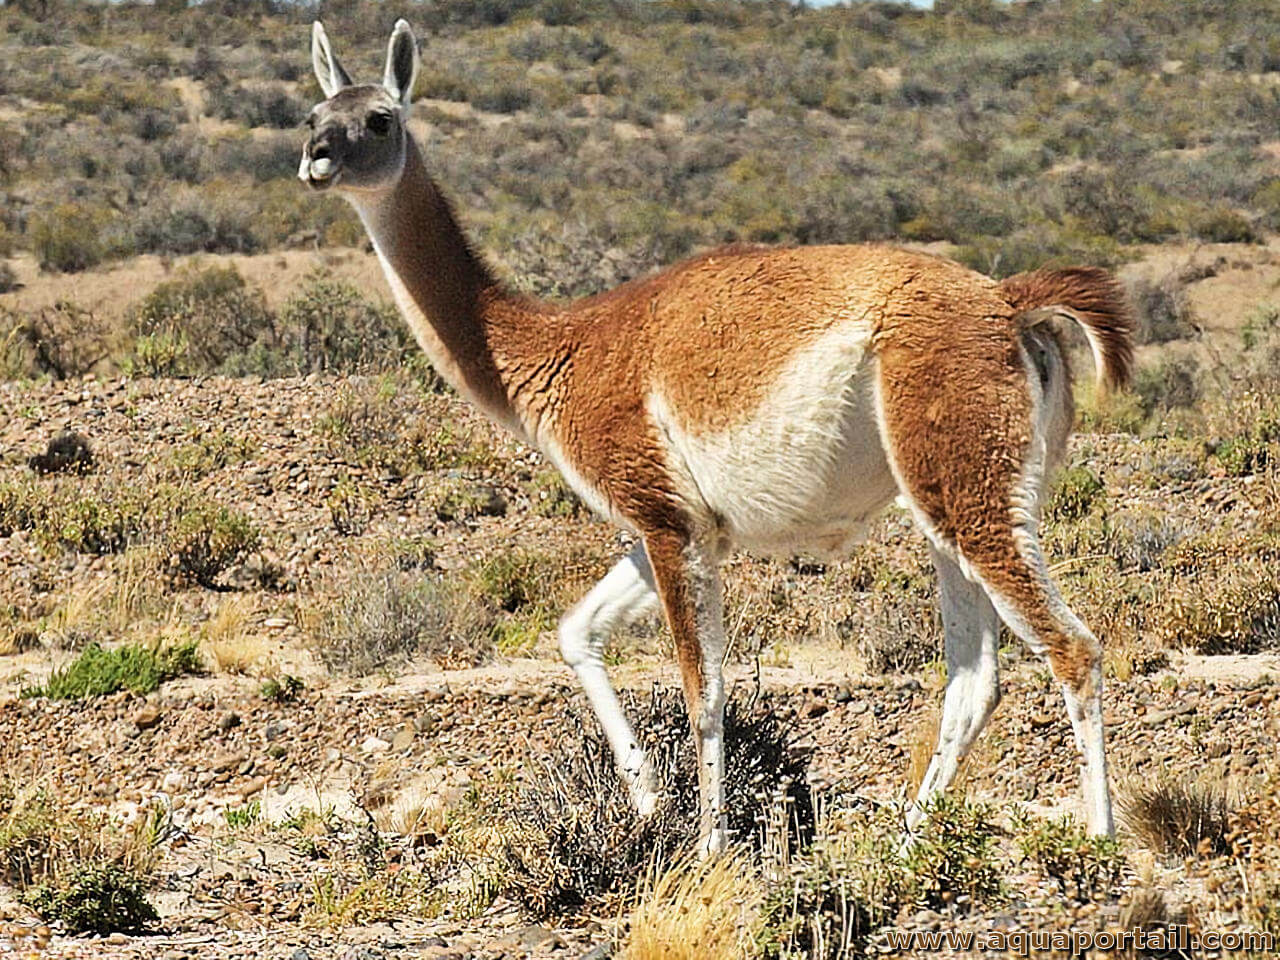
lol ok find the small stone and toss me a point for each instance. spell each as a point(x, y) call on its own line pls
point(402, 740)
point(146, 718)
point(814, 708)
point(255, 785)
point(300, 954)
point(228, 721)
point(375, 745)
point(227, 761)
point(173, 782)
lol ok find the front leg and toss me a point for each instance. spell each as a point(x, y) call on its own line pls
point(624, 594)
point(687, 575)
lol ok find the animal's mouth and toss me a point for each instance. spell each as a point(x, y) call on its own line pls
point(319, 173)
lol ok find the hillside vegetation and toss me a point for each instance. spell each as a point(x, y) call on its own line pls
point(590, 140)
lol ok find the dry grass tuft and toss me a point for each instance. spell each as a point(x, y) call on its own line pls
point(696, 910)
point(230, 642)
point(1179, 817)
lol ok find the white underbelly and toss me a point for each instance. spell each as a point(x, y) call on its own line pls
point(806, 471)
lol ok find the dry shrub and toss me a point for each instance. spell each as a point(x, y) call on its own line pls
point(586, 845)
point(1146, 909)
point(385, 616)
point(229, 640)
point(1234, 609)
point(61, 341)
point(1161, 308)
point(1179, 817)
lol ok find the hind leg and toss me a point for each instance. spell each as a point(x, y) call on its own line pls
point(972, 630)
point(1030, 604)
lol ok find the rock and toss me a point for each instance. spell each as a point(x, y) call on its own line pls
point(602, 952)
point(300, 954)
point(228, 721)
point(529, 938)
point(173, 782)
point(228, 761)
point(814, 708)
point(253, 786)
point(146, 718)
point(402, 740)
point(374, 745)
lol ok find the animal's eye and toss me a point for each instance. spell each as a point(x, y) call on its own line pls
point(379, 124)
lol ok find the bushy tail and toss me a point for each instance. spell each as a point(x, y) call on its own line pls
point(1094, 299)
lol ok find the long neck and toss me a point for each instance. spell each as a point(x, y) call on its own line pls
point(450, 299)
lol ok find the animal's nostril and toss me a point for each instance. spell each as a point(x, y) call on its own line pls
point(319, 151)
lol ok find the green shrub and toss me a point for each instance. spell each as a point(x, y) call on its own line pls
point(205, 539)
point(1243, 455)
point(952, 864)
point(98, 672)
point(73, 236)
point(95, 897)
point(552, 497)
point(201, 537)
point(855, 880)
point(1078, 490)
point(1084, 866)
point(243, 817)
point(208, 452)
point(1221, 224)
point(329, 325)
point(197, 322)
point(283, 689)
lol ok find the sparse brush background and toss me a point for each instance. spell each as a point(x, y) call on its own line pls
point(152, 235)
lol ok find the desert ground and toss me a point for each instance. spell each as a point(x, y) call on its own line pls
point(278, 667)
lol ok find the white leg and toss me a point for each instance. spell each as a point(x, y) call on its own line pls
point(1086, 723)
point(625, 593)
point(971, 629)
point(687, 576)
point(709, 610)
point(1084, 701)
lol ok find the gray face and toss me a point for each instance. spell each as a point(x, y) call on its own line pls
point(357, 141)
point(358, 136)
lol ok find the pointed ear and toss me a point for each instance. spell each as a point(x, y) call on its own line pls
point(328, 70)
point(402, 64)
